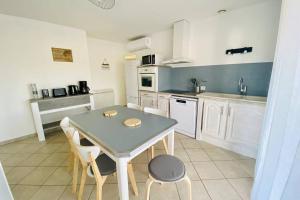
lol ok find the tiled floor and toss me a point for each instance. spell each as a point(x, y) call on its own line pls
point(39, 171)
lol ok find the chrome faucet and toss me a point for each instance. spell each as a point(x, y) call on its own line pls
point(242, 87)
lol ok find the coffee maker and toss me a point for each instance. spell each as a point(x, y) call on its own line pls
point(83, 88)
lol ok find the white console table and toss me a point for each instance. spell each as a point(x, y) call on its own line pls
point(45, 106)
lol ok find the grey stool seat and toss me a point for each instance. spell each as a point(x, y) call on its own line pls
point(105, 164)
point(166, 168)
point(85, 142)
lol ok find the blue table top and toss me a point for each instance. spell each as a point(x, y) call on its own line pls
point(111, 133)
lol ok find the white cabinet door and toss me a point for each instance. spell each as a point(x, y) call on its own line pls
point(214, 118)
point(163, 103)
point(149, 99)
point(244, 123)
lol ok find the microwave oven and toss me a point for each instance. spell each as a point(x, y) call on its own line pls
point(152, 59)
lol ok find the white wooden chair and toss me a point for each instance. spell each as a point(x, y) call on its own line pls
point(161, 113)
point(95, 165)
point(167, 169)
point(134, 106)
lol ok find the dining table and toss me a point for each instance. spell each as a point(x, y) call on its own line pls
point(120, 142)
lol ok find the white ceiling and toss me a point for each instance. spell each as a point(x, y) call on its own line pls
point(128, 19)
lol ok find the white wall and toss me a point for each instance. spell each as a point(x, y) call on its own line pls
point(25, 57)
point(108, 78)
point(255, 26)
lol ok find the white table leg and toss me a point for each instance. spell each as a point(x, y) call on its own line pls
point(122, 178)
point(38, 121)
point(171, 142)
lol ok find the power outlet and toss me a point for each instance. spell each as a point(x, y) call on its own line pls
point(203, 88)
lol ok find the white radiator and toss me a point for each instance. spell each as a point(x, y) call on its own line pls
point(103, 98)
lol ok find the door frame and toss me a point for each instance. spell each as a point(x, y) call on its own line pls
point(280, 134)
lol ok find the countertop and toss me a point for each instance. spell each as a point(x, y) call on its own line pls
point(55, 98)
point(254, 99)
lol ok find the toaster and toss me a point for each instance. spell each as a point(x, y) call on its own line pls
point(59, 92)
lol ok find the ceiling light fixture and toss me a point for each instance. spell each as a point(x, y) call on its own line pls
point(222, 11)
point(104, 4)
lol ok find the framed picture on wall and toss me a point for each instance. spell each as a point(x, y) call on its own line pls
point(62, 55)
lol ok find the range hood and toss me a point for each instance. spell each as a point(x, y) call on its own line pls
point(181, 43)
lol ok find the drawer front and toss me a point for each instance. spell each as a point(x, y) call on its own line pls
point(56, 103)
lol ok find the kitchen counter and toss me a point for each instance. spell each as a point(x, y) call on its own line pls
point(254, 99)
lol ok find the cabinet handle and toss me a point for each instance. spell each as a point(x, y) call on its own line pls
point(229, 111)
point(222, 110)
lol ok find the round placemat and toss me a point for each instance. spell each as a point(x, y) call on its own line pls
point(132, 122)
point(110, 113)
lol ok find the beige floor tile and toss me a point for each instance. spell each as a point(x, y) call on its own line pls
point(243, 186)
point(4, 156)
point(7, 169)
point(56, 159)
point(50, 148)
point(29, 148)
point(12, 148)
point(18, 173)
point(207, 170)
point(248, 166)
point(34, 159)
point(15, 159)
point(64, 149)
point(163, 192)
point(205, 145)
point(31, 140)
point(182, 155)
point(24, 192)
point(198, 191)
point(191, 172)
point(191, 144)
point(236, 156)
point(142, 158)
point(220, 190)
point(68, 195)
point(181, 136)
point(197, 155)
point(49, 193)
point(231, 169)
point(218, 154)
point(141, 172)
point(38, 176)
point(61, 176)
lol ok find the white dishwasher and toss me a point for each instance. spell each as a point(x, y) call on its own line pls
point(184, 110)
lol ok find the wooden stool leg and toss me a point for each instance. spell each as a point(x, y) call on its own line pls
point(189, 184)
point(165, 145)
point(75, 174)
point(82, 182)
point(152, 152)
point(71, 161)
point(99, 192)
point(132, 179)
point(148, 187)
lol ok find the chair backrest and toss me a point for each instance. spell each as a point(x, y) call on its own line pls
point(87, 155)
point(134, 106)
point(155, 111)
point(65, 124)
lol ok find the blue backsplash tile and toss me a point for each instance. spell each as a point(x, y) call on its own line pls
point(224, 78)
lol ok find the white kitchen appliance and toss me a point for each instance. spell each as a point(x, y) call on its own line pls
point(148, 78)
point(131, 81)
point(184, 110)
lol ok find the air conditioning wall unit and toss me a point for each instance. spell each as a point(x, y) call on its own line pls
point(139, 44)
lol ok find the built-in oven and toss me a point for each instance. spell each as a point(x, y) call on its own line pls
point(148, 78)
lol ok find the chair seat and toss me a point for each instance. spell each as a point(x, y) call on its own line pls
point(85, 142)
point(166, 168)
point(105, 164)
